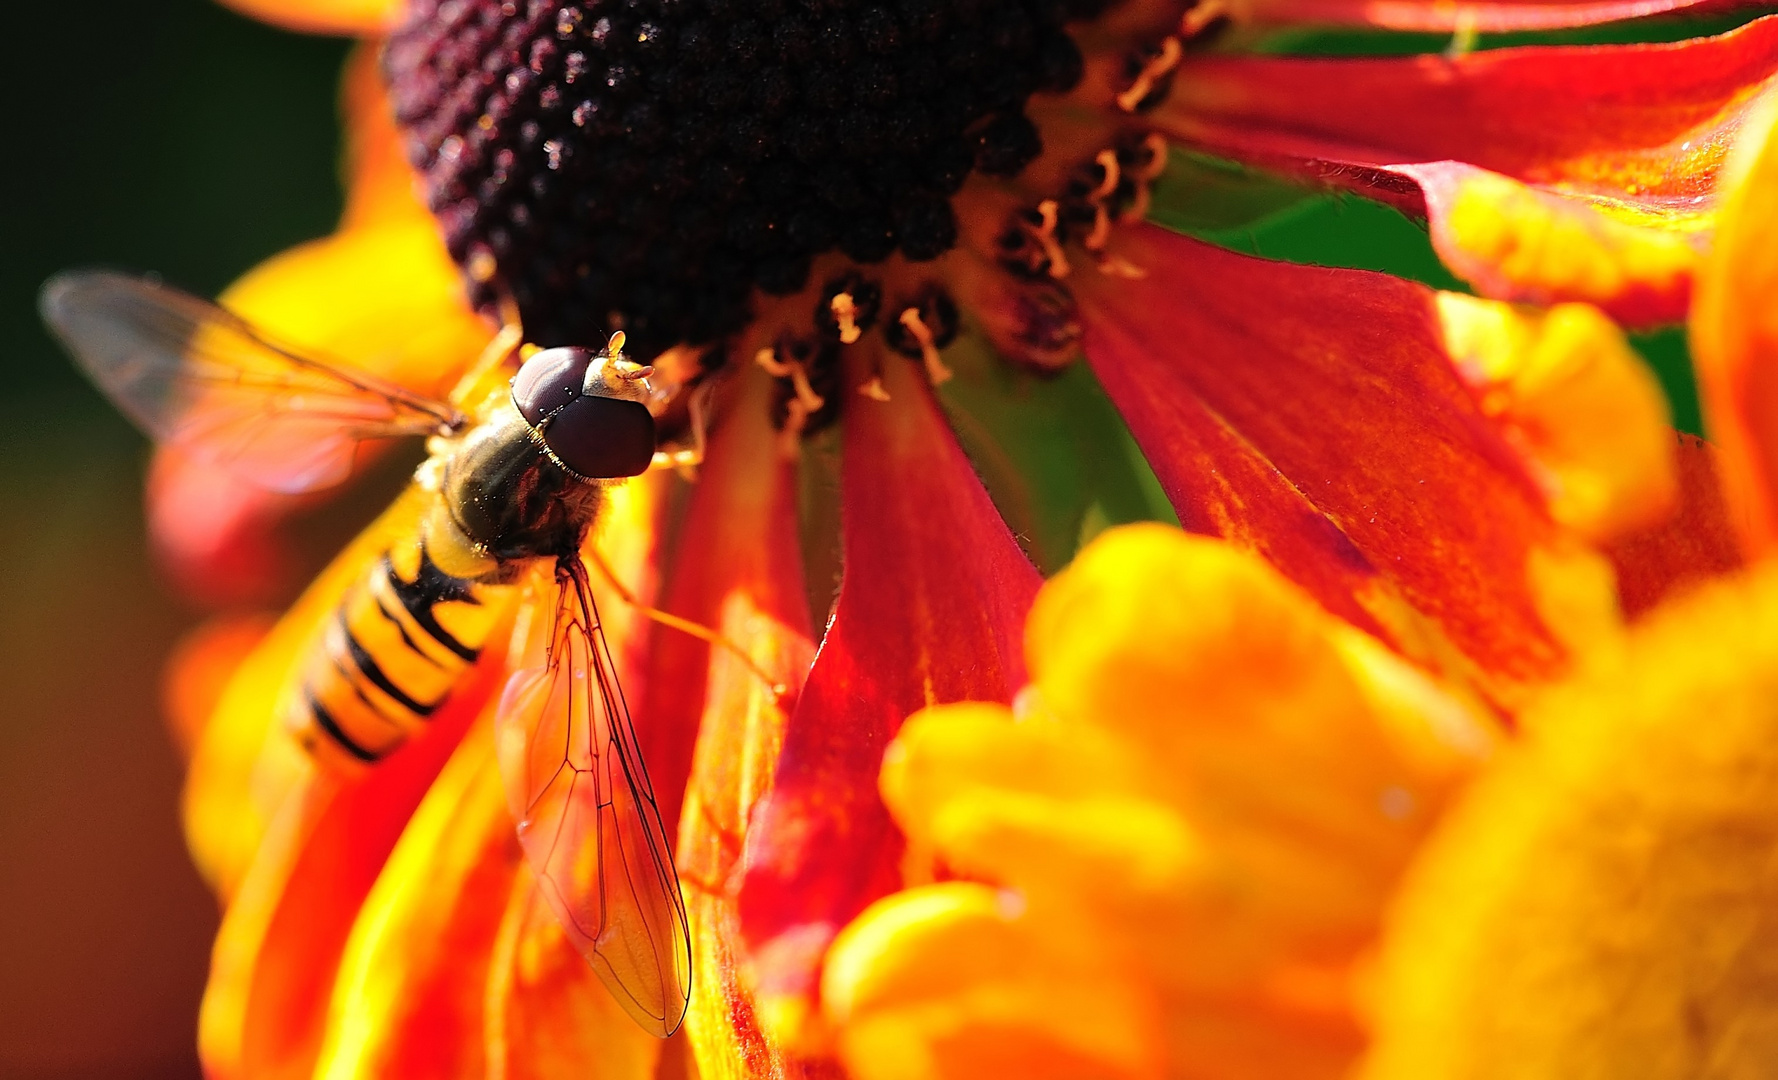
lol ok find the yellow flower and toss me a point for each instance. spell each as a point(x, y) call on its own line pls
point(1214, 837)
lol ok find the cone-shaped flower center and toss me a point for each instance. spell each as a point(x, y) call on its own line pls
point(646, 165)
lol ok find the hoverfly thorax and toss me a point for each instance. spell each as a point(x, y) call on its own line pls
point(526, 482)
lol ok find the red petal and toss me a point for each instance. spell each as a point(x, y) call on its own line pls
point(739, 570)
point(931, 610)
point(215, 535)
point(1695, 544)
point(1314, 415)
point(1623, 141)
point(1487, 16)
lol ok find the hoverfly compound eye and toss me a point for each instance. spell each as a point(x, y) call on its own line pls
point(549, 381)
point(562, 395)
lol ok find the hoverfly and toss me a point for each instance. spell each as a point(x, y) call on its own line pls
point(508, 500)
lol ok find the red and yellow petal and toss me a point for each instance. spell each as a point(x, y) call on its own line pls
point(1550, 173)
point(547, 1014)
point(1735, 336)
point(1320, 417)
point(740, 571)
point(930, 610)
point(1483, 16)
point(408, 996)
point(1694, 544)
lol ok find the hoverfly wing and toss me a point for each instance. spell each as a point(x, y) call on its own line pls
point(195, 376)
point(587, 818)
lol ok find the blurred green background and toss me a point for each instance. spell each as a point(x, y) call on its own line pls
point(174, 136)
point(164, 135)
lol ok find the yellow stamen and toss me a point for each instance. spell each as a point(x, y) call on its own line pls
point(1120, 267)
point(796, 373)
point(1107, 160)
point(845, 309)
point(1201, 16)
point(790, 444)
point(936, 371)
point(1046, 235)
point(1151, 73)
point(1095, 240)
point(768, 359)
point(874, 389)
point(482, 266)
point(1144, 176)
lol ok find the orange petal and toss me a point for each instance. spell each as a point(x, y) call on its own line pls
point(381, 187)
point(407, 999)
point(1315, 416)
point(350, 17)
point(265, 1008)
point(1550, 173)
point(931, 609)
point(1735, 336)
point(1696, 543)
point(200, 668)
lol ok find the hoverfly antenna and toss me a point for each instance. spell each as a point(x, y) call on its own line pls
point(615, 347)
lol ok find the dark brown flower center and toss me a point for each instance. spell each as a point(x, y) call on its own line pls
point(645, 164)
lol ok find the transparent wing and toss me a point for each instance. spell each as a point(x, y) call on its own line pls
point(587, 818)
point(196, 376)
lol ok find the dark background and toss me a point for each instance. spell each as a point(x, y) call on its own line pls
point(165, 135)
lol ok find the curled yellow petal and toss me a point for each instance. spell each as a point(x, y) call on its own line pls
point(1195, 813)
point(946, 982)
point(1588, 415)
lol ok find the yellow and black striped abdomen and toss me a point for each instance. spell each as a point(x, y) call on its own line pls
point(403, 638)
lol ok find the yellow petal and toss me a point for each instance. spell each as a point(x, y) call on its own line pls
point(1523, 242)
point(1600, 904)
point(1588, 415)
point(385, 299)
point(1735, 332)
point(358, 17)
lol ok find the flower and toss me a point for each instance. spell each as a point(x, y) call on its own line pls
point(1214, 805)
point(1430, 469)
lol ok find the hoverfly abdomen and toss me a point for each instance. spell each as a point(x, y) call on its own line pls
point(393, 651)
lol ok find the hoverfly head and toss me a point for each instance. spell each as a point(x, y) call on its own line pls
point(589, 408)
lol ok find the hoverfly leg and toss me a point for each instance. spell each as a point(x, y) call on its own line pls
point(685, 626)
